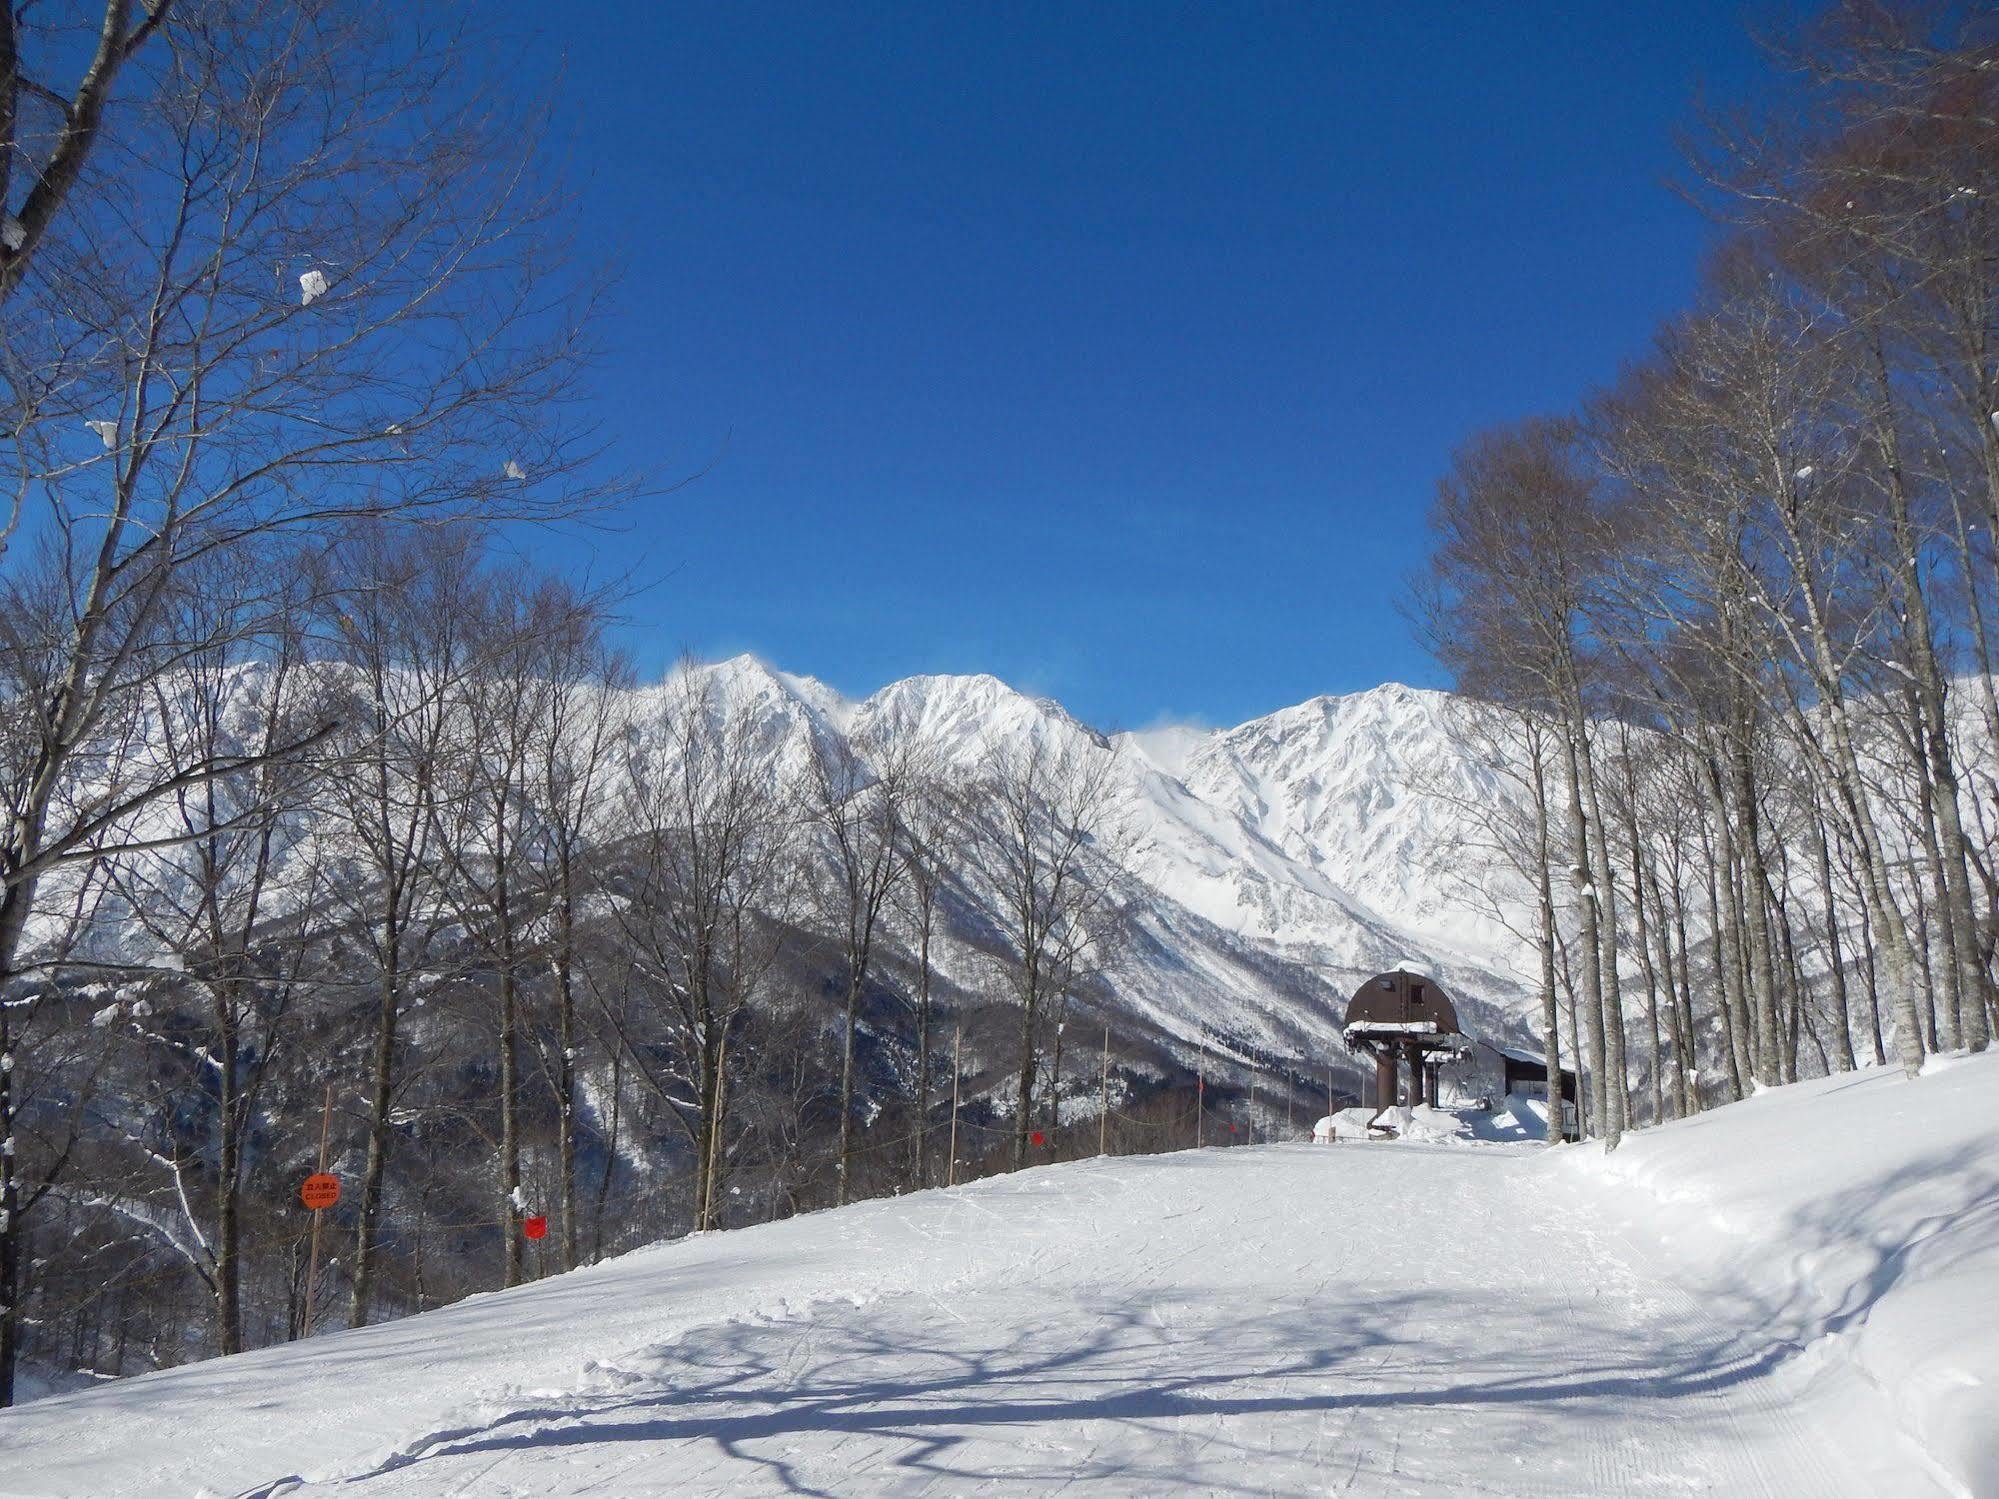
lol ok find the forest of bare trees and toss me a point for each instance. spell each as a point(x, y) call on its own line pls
point(325, 819)
point(1729, 622)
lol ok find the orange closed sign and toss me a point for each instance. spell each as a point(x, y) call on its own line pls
point(320, 1190)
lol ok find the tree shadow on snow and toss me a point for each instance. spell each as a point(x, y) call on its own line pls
point(1137, 1390)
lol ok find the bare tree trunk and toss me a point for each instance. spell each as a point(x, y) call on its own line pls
point(510, 1088)
point(1968, 981)
point(610, 1157)
point(1551, 1050)
point(1055, 1069)
point(1603, 1119)
point(921, 1175)
point(1024, 1095)
point(14, 901)
point(1835, 963)
point(1769, 1067)
point(1801, 1018)
point(228, 1182)
point(1725, 919)
point(1923, 946)
point(1686, 1092)
point(1663, 936)
point(708, 1131)
point(843, 1169)
point(565, 1060)
point(1617, 1089)
point(1644, 942)
point(381, 1101)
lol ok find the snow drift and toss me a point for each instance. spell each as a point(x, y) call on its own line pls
point(1857, 1217)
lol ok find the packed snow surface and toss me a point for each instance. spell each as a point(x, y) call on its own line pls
point(1794, 1296)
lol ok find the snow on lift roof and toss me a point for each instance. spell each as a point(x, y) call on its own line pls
point(1522, 1054)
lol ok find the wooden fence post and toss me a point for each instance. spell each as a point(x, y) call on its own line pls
point(957, 1042)
point(1104, 1106)
point(312, 1271)
point(1201, 1092)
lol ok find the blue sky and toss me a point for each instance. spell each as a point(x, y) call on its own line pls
point(1114, 349)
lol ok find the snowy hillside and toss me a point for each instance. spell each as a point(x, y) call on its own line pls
point(1726, 1305)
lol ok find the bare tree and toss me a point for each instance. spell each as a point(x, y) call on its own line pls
point(702, 907)
point(929, 820)
point(320, 288)
point(1520, 543)
point(859, 797)
point(1043, 823)
point(49, 131)
point(227, 897)
point(586, 716)
point(402, 607)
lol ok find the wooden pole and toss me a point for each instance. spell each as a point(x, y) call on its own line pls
point(715, 1132)
point(951, 1170)
point(1201, 1094)
point(1329, 1087)
point(312, 1263)
point(1104, 1107)
point(1252, 1107)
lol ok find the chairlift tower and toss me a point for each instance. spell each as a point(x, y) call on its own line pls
point(1401, 1018)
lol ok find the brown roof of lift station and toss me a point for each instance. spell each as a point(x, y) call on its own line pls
point(1401, 1004)
point(1396, 1017)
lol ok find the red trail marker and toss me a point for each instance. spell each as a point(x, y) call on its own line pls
point(535, 1228)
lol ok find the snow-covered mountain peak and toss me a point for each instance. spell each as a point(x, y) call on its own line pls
point(748, 677)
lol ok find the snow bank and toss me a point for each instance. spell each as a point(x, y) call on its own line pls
point(1347, 1124)
point(1861, 1214)
point(1425, 1125)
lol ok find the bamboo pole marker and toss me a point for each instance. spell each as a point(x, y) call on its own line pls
point(951, 1170)
point(715, 1131)
point(312, 1261)
point(1201, 1094)
point(1252, 1107)
point(1104, 1105)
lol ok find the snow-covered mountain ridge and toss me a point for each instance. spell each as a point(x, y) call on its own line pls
point(1282, 861)
point(1273, 866)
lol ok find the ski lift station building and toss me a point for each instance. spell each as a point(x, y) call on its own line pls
point(1407, 1023)
point(1404, 1019)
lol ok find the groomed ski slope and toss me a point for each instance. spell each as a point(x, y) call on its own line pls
point(1798, 1295)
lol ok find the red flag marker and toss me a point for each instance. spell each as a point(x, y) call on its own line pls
point(1038, 1138)
point(535, 1228)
